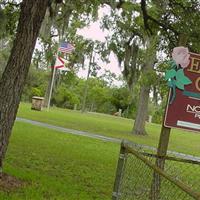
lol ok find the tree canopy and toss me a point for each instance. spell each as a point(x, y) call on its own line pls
point(141, 33)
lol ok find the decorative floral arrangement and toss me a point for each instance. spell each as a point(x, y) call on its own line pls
point(175, 76)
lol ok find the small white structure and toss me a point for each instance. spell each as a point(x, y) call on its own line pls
point(37, 103)
point(150, 119)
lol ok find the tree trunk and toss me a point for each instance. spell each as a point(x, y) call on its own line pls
point(139, 125)
point(16, 71)
point(155, 95)
point(46, 98)
point(142, 111)
point(83, 107)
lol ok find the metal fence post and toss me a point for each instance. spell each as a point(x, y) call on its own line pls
point(119, 172)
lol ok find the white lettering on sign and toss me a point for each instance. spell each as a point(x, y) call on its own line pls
point(197, 116)
point(194, 109)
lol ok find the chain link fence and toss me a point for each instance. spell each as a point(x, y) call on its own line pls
point(138, 176)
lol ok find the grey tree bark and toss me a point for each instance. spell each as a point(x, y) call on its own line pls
point(16, 71)
point(83, 107)
point(142, 111)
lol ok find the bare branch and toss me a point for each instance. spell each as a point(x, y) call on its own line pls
point(145, 16)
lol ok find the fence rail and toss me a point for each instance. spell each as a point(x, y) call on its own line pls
point(137, 176)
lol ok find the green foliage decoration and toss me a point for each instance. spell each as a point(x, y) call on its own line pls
point(176, 79)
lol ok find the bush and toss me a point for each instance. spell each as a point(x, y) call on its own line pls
point(65, 98)
point(158, 116)
point(36, 92)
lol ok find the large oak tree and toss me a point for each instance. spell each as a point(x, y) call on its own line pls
point(138, 21)
point(15, 73)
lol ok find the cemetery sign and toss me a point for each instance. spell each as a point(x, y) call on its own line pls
point(183, 108)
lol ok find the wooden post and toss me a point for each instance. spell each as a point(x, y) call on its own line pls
point(160, 162)
point(164, 141)
point(119, 172)
point(163, 144)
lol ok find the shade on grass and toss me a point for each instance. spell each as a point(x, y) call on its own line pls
point(182, 141)
point(63, 166)
point(59, 166)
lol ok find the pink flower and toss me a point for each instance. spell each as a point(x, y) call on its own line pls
point(181, 56)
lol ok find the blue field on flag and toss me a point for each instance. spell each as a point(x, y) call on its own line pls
point(66, 47)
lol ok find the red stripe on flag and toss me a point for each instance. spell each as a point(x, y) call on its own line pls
point(60, 66)
point(61, 60)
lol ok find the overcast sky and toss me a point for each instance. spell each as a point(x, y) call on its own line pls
point(94, 32)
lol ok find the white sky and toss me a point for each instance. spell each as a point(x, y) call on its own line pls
point(94, 32)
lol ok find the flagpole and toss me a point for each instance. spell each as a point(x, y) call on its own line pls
point(54, 71)
point(52, 82)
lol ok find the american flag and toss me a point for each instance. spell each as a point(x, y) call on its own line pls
point(66, 47)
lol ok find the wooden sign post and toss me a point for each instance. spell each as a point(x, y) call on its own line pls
point(160, 162)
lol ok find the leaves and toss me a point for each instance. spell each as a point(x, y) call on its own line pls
point(128, 6)
point(182, 78)
point(179, 85)
point(172, 63)
point(186, 81)
point(179, 74)
point(176, 79)
point(170, 74)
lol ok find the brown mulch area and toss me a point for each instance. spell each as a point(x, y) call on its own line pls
point(10, 183)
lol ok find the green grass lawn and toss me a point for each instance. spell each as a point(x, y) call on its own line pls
point(59, 166)
point(63, 166)
point(182, 141)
